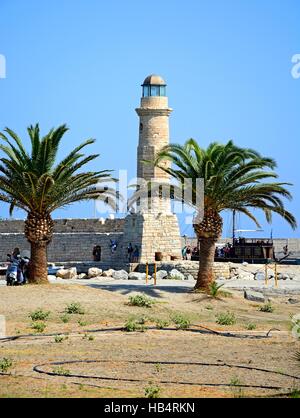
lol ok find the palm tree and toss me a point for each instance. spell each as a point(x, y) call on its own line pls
point(34, 183)
point(234, 179)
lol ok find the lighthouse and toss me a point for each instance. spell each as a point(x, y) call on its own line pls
point(154, 228)
point(154, 133)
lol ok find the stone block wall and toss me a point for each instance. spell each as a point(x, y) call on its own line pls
point(153, 233)
point(79, 247)
point(73, 239)
point(68, 225)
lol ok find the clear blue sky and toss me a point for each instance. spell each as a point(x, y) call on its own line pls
point(227, 65)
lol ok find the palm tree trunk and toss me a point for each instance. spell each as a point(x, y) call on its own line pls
point(38, 268)
point(206, 268)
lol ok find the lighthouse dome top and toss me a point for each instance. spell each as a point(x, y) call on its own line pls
point(154, 80)
point(154, 86)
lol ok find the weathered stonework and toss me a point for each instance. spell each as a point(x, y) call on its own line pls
point(73, 239)
point(153, 234)
point(154, 229)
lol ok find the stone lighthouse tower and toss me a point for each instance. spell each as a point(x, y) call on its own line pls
point(153, 229)
point(154, 115)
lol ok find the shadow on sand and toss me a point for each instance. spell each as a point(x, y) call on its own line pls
point(149, 290)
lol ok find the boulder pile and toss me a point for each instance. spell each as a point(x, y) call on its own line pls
point(249, 272)
point(95, 273)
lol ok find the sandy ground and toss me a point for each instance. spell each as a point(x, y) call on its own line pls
point(125, 354)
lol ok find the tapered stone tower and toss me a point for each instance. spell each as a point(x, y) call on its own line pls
point(154, 229)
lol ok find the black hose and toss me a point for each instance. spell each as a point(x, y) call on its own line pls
point(271, 330)
point(39, 369)
point(18, 337)
point(45, 378)
point(204, 330)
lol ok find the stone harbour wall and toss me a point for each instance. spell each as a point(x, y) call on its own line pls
point(73, 239)
point(68, 225)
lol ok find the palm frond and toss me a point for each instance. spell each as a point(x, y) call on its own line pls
point(34, 182)
point(234, 177)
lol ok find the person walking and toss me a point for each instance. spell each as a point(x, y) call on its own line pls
point(130, 252)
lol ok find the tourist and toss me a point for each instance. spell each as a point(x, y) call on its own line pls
point(17, 260)
point(98, 253)
point(16, 253)
point(136, 254)
point(130, 252)
point(195, 252)
point(188, 253)
point(183, 253)
point(113, 246)
point(226, 251)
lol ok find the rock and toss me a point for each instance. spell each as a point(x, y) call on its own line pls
point(102, 278)
point(51, 278)
point(254, 296)
point(94, 272)
point(108, 273)
point(245, 275)
point(176, 275)
point(120, 275)
point(241, 274)
point(293, 301)
point(82, 276)
point(189, 277)
point(261, 274)
point(248, 276)
point(282, 276)
point(137, 276)
point(234, 272)
point(161, 274)
point(52, 270)
point(67, 274)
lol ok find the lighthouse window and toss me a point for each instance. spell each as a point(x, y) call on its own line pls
point(146, 91)
point(154, 90)
point(163, 90)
